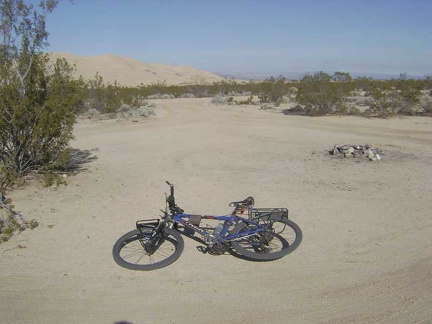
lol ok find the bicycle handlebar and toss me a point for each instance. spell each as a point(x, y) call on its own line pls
point(171, 188)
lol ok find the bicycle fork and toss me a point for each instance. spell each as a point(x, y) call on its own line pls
point(153, 240)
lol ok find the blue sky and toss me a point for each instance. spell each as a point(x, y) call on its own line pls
point(267, 36)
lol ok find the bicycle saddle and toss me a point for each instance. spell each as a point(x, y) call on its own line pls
point(248, 202)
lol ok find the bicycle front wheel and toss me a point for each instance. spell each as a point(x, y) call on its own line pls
point(132, 250)
point(280, 238)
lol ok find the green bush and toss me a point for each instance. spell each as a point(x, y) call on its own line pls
point(426, 104)
point(322, 94)
point(394, 97)
point(272, 90)
point(38, 101)
point(385, 102)
point(36, 127)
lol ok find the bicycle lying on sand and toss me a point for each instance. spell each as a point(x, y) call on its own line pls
point(265, 234)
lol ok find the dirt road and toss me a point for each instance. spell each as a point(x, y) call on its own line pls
point(366, 252)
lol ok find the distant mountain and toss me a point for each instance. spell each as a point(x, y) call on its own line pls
point(131, 72)
point(299, 75)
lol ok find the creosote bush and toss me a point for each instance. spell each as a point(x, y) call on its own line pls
point(272, 90)
point(321, 93)
point(38, 101)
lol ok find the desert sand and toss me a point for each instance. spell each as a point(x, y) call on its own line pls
point(131, 72)
point(367, 228)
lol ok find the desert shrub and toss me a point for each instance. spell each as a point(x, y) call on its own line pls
point(188, 95)
point(341, 77)
point(361, 99)
point(95, 96)
point(199, 86)
point(409, 102)
point(124, 108)
point(154, 96)
point(426, 104)
point(388, 100)
point(38, 101)
point(168, 96)
point(130, 99)
point(350, 109)
point(220, 100)
point(161, 96)
point(104, 98)
point(363, 83)
point(321, 94)
point(226, 86)
point(146, 111)
point(385, 102)
point(427, 82)
point(92, 113)
point(248, 101)
point(130, 113)
point(272, 90)
point(37, 123)
point(354, 111)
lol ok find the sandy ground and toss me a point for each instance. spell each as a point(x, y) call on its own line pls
point(365, 257)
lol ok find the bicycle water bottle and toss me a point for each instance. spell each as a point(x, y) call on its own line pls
point(218, 230)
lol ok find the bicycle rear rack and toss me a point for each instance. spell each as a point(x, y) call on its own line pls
point(267, 213)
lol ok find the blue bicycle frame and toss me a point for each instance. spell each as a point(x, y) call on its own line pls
point(229, 220)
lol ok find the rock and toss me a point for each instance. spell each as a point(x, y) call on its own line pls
point(335, 150)
point(356, 151)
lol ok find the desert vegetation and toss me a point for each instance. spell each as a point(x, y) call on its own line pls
point(315, 94)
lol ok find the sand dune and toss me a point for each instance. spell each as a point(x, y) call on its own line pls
point(131, 72)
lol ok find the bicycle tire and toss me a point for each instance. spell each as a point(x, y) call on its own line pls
point(269, 245)
point(129, 253)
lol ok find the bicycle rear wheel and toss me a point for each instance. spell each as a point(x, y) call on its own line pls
point(133, 251)
point(280, 238)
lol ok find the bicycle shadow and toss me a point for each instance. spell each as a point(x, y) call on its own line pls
point(204, 249)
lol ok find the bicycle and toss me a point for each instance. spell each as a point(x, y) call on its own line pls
point(266, 234)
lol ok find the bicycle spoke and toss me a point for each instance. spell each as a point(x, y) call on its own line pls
point(130, 253)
